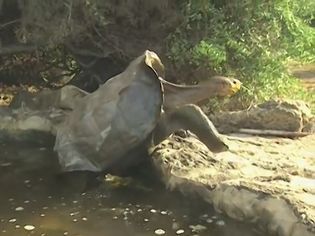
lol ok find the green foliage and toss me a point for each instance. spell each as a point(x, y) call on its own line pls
point(249, 39)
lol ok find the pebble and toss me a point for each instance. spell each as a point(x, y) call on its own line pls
point(146, 220)
point(197, 228)
point(159, 232)
point(180, 231)
point(19, 208)
point(84, 218)
point(17, 226)
point(220, 223)
point(175, 226)
point(12, 220)
point(163, 212)
point(29, 227)
point(74, 213)
point(153, 211)
point(209, 221)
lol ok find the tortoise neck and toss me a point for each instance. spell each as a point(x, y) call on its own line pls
point(178, 95)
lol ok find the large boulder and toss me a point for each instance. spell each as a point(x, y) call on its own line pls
point(256, 181)
point(286, 115)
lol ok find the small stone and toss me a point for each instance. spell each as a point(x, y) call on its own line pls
point(75, 202)
point(139, 210)
point(159, 232)
point(75, 220)
point(84, 218)
point(18, 226)
point(175, 226)
point(29, 227)
point(42, 215)
point(74, 213)
point(153, 211)
point(12, 220)
point(146, 220)
point(197, 228)
point(45, 208)
point(65, 233)
point(115, 217)
point(220, 223)
point(209, 221)
point(180, 231)
point(5, 164)
point(163, 212)
point(27, 181)
point(19, 208)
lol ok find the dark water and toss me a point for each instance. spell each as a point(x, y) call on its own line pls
point(34, 202)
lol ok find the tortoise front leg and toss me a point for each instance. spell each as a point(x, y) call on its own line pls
point(189, 117)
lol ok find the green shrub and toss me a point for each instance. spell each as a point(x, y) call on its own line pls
point(251, 40)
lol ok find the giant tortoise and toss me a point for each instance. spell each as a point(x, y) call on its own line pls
point(125, 113)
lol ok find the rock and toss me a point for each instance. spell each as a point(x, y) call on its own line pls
point(252, 182)
point(63, 98)
point(286, 115)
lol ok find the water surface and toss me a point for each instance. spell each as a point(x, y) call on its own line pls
point(35, 202)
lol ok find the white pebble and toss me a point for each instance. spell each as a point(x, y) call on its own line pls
point(12, 220)
point(84, 218)
point(159, 232)
point(145, 220)
point(220, 223)
point(163, 212)
point(180, 231)
point(197, 228)
point(19, 208)
point(153, 211)
point(42, 215)
point(209, 221)
point(17, 226)
point(29, 227)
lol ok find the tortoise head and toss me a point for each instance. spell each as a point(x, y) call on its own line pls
point(222, 86)
point(154, 62)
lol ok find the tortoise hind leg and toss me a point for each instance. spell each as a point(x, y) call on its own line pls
point(189, 117)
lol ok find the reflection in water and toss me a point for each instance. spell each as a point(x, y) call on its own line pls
point(33, 202)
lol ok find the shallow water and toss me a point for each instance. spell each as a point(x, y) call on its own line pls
point(34, 202)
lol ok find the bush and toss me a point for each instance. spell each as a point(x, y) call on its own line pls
point(251, 40)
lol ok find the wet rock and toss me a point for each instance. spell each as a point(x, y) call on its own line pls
point(287, 115)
